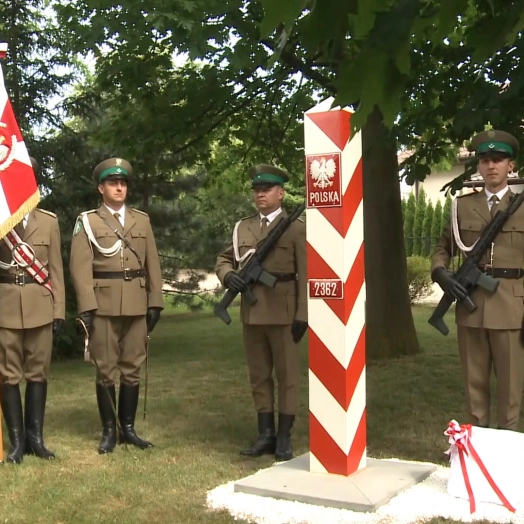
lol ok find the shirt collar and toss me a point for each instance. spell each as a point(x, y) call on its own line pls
point(500, 194)
point(121, 212)
point(272, 215)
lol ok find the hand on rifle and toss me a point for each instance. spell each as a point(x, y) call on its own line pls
point(57, 325)
point(448, 284)
point(233, 282)
point(298, 330)
point(87, 318)
point(152, 317)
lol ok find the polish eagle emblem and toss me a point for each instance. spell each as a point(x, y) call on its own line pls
point(322, 171)
point(7, 147)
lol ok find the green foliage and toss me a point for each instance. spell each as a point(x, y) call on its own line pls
point(426, 229)
point(418, 226)
point(409, 222)
point(436, 225)
point(446, 214)
point(419, 278)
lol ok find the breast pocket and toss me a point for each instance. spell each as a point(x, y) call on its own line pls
point(138, 240)
point(41, 247)
point(470, 231)
point(105, 237)
point(244, 245)
point(512, 235)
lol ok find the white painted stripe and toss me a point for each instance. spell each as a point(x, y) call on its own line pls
point(316, 142)
point(353, 329)
point(353, 240)
point(340, 425)
point(350, 159)
point(329, 329)
point(3, 93)
point(362, 463)
point(325, 240)
point(5, 213)
point(356, 407)
point(325, 105)
point(315, 466)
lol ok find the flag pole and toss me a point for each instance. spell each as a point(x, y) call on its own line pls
point(3, 53)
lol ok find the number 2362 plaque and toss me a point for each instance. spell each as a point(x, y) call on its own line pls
point(326, 288)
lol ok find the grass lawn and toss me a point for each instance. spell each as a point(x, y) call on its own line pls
point(200, 415)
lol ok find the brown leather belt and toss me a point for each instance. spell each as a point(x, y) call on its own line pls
point(284, 277)
point(20, 280)
point(502, 272)
point(127, 274)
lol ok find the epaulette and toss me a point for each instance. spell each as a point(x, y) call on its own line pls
point(250, 216)
point(139, 211)
point(467, 194)
point(50, 213)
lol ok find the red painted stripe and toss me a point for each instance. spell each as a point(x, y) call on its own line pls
point(329, 454)
point(341, 217)
point(352, 286)
point(316, 265)
point(334, 124)
point(340, 382)
point(9, 119)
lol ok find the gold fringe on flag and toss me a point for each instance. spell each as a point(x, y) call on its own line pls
point(19, 215)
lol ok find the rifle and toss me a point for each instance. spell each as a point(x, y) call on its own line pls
point(253, 272)
point(469, 275)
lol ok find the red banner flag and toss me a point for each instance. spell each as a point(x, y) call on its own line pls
point(19, 192)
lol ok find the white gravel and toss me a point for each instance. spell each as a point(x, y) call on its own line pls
point(421, 502)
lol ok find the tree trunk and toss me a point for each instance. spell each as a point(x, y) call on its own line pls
point(390, 330)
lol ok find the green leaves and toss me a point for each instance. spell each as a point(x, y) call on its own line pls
point(277, 12)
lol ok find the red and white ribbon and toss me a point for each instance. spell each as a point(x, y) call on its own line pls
point(24, 256)
point(459, 437)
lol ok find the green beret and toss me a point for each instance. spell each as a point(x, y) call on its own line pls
point(112, 168)
point(34, 163)
point(267, 175)
point(494, 141)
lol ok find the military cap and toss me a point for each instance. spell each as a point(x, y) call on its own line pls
point(267, 175)
point(34, 163)
point(112, 168)
point(494, 141)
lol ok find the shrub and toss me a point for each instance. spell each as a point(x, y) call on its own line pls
point(419, 278)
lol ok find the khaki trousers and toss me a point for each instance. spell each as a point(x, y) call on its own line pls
point(267, 347)
point(479, 349)
point(26, 350)
point(118, 344)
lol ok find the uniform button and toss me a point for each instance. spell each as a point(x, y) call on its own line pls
point(127, 258)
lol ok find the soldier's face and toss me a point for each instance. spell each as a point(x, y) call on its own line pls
point(268, 199)
point(113, 191)
point(494, 169)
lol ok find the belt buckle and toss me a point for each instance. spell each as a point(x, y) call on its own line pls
point(20, 279)
point(127, 275)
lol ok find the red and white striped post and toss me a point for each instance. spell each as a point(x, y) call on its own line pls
point(336, 292)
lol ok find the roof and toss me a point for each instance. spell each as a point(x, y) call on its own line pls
point(464, 154)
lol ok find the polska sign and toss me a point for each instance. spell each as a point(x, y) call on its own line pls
point(323, 181)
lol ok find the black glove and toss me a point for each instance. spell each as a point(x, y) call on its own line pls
point(298, 330)
point(57, 325)
point(448, 284)
point(87, 318)
point(152, 317)
point(233, 282)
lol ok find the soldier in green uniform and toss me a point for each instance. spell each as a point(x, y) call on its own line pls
point(274, 325)
point(489, 336)
point(116, 275)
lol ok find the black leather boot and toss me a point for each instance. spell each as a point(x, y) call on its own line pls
point(284, 450)
point(35, 401)
point(14, 420)
point(127, 404)
point(104, 396)
point(265, 443)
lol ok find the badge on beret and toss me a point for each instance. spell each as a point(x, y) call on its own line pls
point(78, 227)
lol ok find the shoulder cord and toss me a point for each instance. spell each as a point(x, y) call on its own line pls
point(247, 254)
point(123, 239)
point(106, 251)
point(456, 231)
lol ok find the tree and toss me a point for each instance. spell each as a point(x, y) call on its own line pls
point(426, 229)
point(418, 228)
point(446, 214)
point(409, 223)
point(436, 225)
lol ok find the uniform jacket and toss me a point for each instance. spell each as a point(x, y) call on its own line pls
point(116, 297)
point(287, 301)
point(32, 305)
point(504, 309)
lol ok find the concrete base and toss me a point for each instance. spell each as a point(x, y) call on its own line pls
point(365, 490)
